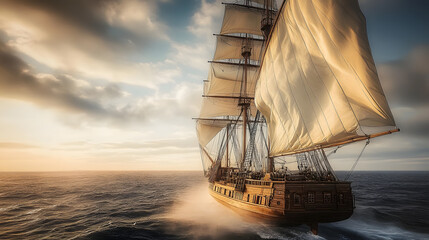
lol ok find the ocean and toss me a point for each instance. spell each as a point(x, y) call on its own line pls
point(176, 205)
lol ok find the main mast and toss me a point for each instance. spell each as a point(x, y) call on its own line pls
point(266, 25)
point(229, 91)
point(244, 102)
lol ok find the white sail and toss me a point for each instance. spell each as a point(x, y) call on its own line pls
point(226, 80)
point(229, 47)
point(318, 83)
point(219, 107)
point(208, 129)
point(241, 19)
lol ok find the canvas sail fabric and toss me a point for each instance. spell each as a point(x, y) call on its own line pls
point(318, 84)
point(225, 80)
point(229, 47)
point(213, 107)
point(208, 129)
point(241, 19)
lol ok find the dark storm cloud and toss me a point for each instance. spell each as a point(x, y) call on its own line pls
point(86, 17)
point(60, 92)
point(91, 39)
point(407, 81)
point(406, 85)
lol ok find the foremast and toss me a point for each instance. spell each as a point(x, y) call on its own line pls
point(228, 105)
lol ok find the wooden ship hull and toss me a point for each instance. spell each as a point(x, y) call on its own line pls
point(287, 202)
point(293, 203)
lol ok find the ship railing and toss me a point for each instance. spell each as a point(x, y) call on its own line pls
point(258, 182)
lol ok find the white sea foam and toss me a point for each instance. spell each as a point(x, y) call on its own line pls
point(210, 218)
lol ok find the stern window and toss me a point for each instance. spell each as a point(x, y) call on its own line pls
point(296, 199)
point(327, 197)
point(341, 198)
point(310, 197)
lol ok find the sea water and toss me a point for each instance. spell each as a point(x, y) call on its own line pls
point(176, 205)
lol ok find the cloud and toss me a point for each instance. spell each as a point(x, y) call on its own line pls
point(189, 142)
point(83, 102)
point(16, 145)
point(378, 3)
point(407, 80)
point(406, 84)
point(205, 22)
point(61, 92)
point(89, 39)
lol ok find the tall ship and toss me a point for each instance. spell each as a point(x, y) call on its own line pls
point(288, 86)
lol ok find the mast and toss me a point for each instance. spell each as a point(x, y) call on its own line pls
point(246, 53)
point(230, 87)
point(266, 25)
point(227, 146)
point(267, 21)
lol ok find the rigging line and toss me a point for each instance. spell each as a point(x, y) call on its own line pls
point(354, 165)
point(334, 151)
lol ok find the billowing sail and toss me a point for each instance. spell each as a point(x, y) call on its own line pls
point(318, 85)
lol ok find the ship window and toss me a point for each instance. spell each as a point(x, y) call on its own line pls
point(224, 192)
point(248, 196)
point(310, 197)
point(296, 199)
point(278, 202)
point(327, 197)
point(341, 198)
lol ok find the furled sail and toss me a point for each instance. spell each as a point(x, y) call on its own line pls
point(318, 85)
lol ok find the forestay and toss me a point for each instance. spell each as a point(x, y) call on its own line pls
point(318, 84)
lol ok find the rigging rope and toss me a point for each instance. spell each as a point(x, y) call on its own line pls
point(334, 151)
point(354, 165)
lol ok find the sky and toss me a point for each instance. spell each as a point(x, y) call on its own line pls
point(114, 84)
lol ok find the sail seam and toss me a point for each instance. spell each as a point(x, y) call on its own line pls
point(275, 111)
point(320, 79)
point(306, 86)
point(283, 101)
point(333, 74)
